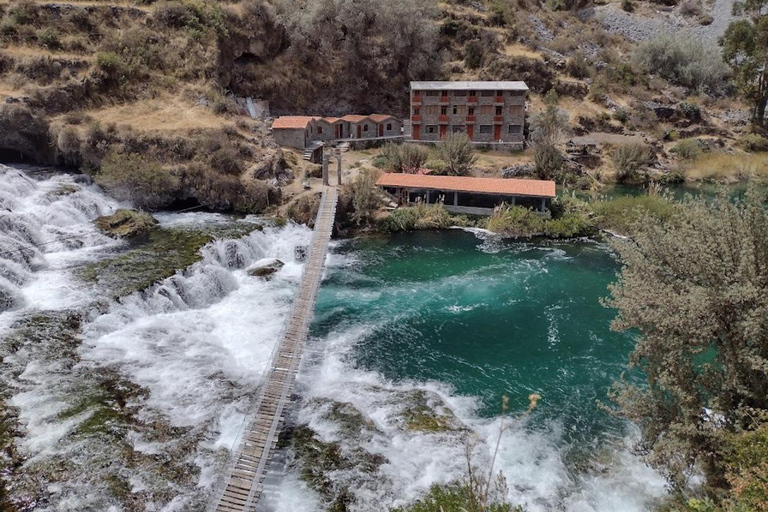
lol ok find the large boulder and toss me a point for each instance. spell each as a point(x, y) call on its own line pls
point(266, 270)
point(126, 223)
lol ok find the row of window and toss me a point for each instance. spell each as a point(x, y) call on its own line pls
point(515, 110)
point(483, 128)
point(513, 94)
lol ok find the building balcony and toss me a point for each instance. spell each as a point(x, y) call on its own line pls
point(471, 119)
point(498, 99)
point(498, 119)
point(442, 119)
point(471, 99)
point(416, 119)
point(445, 99)
point(416, 98)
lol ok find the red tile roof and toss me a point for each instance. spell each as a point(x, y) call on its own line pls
point(352, 118)
point(501, 186)
point(378, 118)
point(292, 122)
point(331, 120)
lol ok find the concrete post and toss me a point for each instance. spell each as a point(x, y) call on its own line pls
point(427, 196)
point(325, 169)
point(543, 203)
point(338, 167)
point(455, 199)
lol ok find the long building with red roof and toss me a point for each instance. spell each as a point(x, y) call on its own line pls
point(469, 195)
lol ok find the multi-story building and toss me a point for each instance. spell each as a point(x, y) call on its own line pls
point(488, 112)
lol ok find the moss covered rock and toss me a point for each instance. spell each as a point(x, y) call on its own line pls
point(126, 223)
point(425, 411)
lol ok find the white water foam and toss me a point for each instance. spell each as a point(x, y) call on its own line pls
point(531, 461)
point(46, 228)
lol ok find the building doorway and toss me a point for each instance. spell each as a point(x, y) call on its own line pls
point(497, 133)
point(359, 132)
point(381, 130)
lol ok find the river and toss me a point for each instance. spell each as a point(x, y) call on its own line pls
point(135, 405)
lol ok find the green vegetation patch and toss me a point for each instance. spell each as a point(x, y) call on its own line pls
point(620, 214)
point(125, 223)
point(425, 411)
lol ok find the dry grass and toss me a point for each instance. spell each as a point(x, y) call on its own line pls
point(518, 50)
point(722, 167)
point(26, 52)
point(88, 3)
point(163, 114)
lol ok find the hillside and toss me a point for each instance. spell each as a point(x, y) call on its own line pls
point(124, 91)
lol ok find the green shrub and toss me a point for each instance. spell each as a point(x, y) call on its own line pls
point(630, 159)
point(407, 158)
point(621, 115)
point(569, 226)
point(457, 154)
point(619, 214)
point(578, 66)
point(688, 149)
point(683, 60)
point(690, 111)
point(754, 142)
point(547, 161)
point(473, 54)
point(49, 39)
point(365, 198)
point(197, 16)
point(8, 27)
point(23, 13)
point(420, 216)
point(516, 220)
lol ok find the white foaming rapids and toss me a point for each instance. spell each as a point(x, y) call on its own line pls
point(45, 227)
point(532, 462)
point(195, 344)
point(192, 337)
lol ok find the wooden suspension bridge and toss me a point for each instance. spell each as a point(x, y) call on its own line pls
point(251, 460)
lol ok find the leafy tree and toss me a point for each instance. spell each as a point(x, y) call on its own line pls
point(745, 49)
point(457, 153)
point(694, 288)
point(549, 128)
point(365, 200)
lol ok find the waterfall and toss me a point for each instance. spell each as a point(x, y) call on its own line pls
point(43, 224)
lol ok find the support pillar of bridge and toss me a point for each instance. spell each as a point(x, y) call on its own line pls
point(326, 158)
point(338, 167)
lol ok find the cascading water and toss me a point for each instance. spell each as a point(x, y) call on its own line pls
point(134, 403)
point(127, 404)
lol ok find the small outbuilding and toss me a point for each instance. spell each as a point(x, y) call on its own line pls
point(387, 126)
point(294, 131)
point(360, 127)
point(468, 195)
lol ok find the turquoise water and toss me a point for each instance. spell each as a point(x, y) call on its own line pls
point(488, 318)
